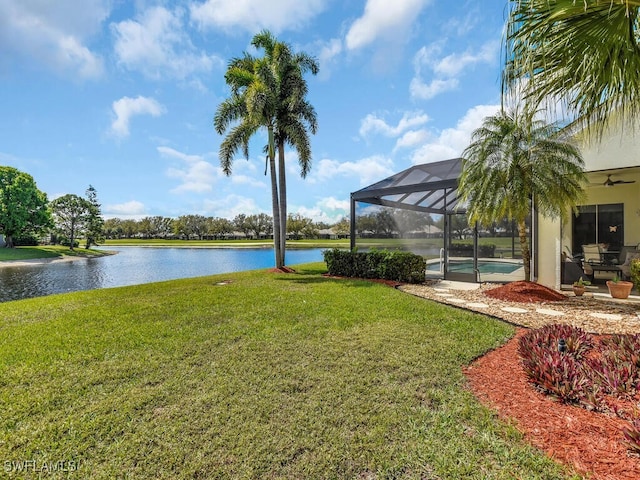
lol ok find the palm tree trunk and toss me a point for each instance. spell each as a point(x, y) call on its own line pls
point(277, 245)
point(524, 247)
point(282, 181)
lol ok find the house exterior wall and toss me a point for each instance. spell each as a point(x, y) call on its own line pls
point(619, 150)
point(549, 247)
point(614, 152)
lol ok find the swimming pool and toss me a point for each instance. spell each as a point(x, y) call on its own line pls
point(498, 266)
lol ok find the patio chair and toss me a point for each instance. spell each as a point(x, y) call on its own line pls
point(594, 261)
point(627, 254)
point(591, 255)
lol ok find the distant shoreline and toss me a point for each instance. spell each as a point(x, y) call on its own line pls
point(46, 260)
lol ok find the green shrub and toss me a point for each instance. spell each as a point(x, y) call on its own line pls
point(387, 265)
point(635, 272)
point(25, 241)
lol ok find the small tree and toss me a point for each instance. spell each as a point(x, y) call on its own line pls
point(343, 227)
point(71, 216)
point(95, 223)
point(514, 163)
point(240, 223)
point(23, 208)
point(297, 225)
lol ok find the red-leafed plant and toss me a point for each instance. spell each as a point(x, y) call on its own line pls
point(566, 363)
point(578, 342)
point(617, 369)
point(551, 357)
point(631, 436)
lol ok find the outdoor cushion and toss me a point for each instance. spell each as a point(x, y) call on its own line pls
point(631, 256)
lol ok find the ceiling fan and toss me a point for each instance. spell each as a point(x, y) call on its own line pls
point(610, 183)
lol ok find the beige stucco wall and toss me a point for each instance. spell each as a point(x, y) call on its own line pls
point(618, 150)
point(618, 155)
point(549, 248)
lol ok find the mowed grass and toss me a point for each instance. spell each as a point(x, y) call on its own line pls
point(48, 251)
point(251, 375)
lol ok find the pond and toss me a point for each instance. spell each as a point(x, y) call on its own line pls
point(136, 265)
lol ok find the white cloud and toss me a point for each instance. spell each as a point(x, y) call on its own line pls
point(156, 44)
point(329, 210)
point(412, 138)
point(249, 181)
point(132, 209)
point(367, 170)
point(383, 20)
point(451, 142)
point(127, 107)
point(374, 124)
point(231, 206)
point(424, 91)
point(444, 72)
point(328, 51)
point(253, 16)
point(54, 33)
point(196, 174)
point(454, 64)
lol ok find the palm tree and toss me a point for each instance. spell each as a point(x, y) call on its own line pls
point(269, 93)
point(515, 163)
point(584, 53)
point(295, 117)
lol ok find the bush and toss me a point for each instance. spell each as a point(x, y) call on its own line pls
point(559, 374)
point(617, 370)
point(25, 241)
point(635, 272)
point(577, 341)
point(65, 242)
point(388, 265)
point(583, 374)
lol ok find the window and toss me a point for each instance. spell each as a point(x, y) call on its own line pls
point(599, 224)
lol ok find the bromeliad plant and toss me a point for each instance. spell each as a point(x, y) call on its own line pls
point(568, 364)
point(551, 358)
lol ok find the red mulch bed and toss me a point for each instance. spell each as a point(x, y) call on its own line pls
point(282, 270)
point(590, 442)
point(525, 292)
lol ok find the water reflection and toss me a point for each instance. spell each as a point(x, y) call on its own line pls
point(136, 265)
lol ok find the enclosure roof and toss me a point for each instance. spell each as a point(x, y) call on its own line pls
point(430, 187)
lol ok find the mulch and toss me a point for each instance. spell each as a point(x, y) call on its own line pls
point(587, 441)
point(525, 292)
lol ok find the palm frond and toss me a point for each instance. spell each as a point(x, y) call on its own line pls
point(582, 53)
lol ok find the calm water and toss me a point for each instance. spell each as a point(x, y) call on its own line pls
point(136, 265)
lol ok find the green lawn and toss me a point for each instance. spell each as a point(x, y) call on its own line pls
point(49, 251)
point(269, 376)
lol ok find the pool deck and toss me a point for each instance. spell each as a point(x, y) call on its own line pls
point(492, 277)
point(595, 312)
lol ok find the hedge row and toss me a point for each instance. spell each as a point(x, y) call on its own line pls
point(388, 265)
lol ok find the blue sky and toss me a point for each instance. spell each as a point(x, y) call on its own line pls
point(121, 95)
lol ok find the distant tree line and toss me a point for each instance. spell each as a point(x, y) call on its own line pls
point(393, 222)
point(199, 227)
